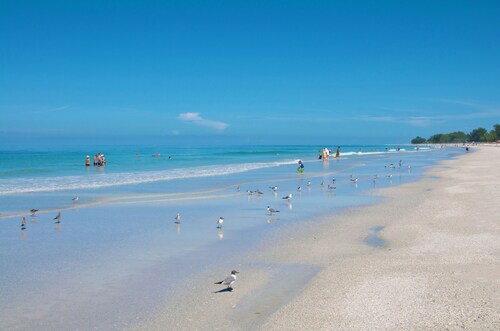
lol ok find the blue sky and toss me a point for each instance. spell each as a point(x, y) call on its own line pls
point(247, 72)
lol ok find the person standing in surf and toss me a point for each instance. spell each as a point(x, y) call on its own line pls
point(300, 169)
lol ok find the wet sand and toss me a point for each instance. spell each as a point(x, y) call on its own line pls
point(434, 265)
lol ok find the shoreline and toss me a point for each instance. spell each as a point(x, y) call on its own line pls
point(437, 268)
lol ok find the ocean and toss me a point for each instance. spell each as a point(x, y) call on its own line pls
point(119, 242)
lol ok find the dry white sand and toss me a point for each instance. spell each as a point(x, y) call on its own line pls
point(439, 269)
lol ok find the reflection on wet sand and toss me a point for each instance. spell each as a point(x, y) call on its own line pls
point(178, 228)
point(272, 219)
point(220, 234)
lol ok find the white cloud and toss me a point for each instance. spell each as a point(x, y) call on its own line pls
point(196, 118)
point(412, 120)
point(51, 110)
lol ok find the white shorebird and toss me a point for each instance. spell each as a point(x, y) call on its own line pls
point(229, 280)
point(274, 188)
point(220, 221)
point(177, 218)
point(33, 212)
point(23, 223)
point(259, 192)
point(58, 218)
point(354, 179)
point(299, 188)
point(272, 210)
point(334, 179)
point(308, 183)
point(389, 176)
point(288, 197)
point(75, 199)
point(249, 192)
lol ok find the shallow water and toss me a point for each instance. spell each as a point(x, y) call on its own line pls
point(373, 239)
point(118, 252)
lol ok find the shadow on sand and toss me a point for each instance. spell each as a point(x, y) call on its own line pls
point(227, 289)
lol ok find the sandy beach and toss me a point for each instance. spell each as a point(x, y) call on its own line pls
point(426, 257)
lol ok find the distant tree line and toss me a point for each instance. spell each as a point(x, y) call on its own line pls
point(476, 135)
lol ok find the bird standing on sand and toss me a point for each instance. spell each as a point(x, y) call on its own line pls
point(75, 199)
point(33, 212)
point(272, 210)
point(354, 179)
point(220, 222)
point(177, 218)
point(229, 280)
point(288, 197)
point(299, 188)
point(23, 223)
point(274, 188)
point(331, 187)
point(58, 218)
point(309, 183)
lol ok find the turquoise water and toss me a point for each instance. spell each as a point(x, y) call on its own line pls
point(119, 242)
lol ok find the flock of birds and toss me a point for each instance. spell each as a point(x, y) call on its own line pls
point(33, 212)
point(229, 280)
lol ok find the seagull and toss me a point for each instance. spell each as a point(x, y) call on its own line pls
point(33, 212)
point(75, 199)
point(274, 188)
point(272, 210)
point(220, 222)
point(334, 179)
point(58, 217)
point(288, 197)
point(299, 188)
point(250, 192)
point(259, 192)
point(308, 183)
point(23, 223)
point(331, 187)
point(177, 218)
point(229, 280)
point(354, 179)
point(389, 176)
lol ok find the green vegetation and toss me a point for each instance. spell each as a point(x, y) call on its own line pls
point(418, 140)
point(476, 135)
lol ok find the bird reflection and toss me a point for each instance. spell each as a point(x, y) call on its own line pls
point(220, 234)
point(58, 227)
point(23, 235)
point(178, 228)
point(272, 219)
point(289, 205)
